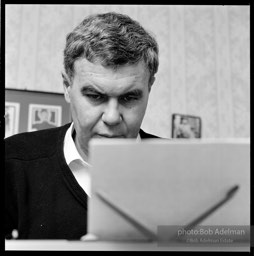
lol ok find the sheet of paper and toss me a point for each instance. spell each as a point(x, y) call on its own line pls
point(167, 183)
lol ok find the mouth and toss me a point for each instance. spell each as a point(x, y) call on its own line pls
point(108, 136)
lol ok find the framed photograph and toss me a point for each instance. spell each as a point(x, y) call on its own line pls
point(37, 110)
point(186, 126)
point(41, 116)
point(12, 110)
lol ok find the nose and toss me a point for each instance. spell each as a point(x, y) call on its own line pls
point(111, 115)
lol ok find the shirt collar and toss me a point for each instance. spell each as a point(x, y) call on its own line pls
point(70, 151)
point(138, 138)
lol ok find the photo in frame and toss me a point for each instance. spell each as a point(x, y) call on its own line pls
point(186, 126)
point(42, 116)
point(12, 110)
point(35, 106)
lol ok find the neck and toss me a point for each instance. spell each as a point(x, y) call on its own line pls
point(83, 154)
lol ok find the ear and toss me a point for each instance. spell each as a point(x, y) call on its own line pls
point(150, 83)
point(66, 86)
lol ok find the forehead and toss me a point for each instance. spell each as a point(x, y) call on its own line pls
point(85, 70)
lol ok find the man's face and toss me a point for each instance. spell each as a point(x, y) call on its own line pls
point(107, 103)
point(44, 115)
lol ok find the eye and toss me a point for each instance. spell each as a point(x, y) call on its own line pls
point(95, 97)
point(128, 98)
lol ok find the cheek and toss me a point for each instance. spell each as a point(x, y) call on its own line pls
point(134, 116)
point(143, 105)
point(84, 115)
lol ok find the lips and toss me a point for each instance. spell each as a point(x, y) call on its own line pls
point(108, 136)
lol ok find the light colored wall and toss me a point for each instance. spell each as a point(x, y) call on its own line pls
point(204, 59)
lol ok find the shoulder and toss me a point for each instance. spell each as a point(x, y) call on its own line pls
point(145, 135)
point(31, 145)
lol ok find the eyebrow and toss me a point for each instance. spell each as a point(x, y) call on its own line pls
point(135, 92)
point(91, 89)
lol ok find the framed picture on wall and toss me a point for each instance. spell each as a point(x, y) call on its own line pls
point(186, 126)
point(41, 116)
point(12, 110)
point(38, 110)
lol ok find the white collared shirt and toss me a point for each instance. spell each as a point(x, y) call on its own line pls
point(78, 166)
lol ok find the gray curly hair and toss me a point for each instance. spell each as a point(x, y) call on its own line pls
point(112, 39)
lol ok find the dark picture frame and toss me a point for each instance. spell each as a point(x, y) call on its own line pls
point(31, 103)
point(186, 126)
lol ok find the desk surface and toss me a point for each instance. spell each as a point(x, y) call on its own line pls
point(64, 245)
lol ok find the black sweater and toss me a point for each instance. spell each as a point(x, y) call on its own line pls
point(43, 200)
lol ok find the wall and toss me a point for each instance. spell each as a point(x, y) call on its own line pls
point(204, 59)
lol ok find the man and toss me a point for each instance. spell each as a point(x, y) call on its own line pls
point(110, 62)
point(44, 122)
